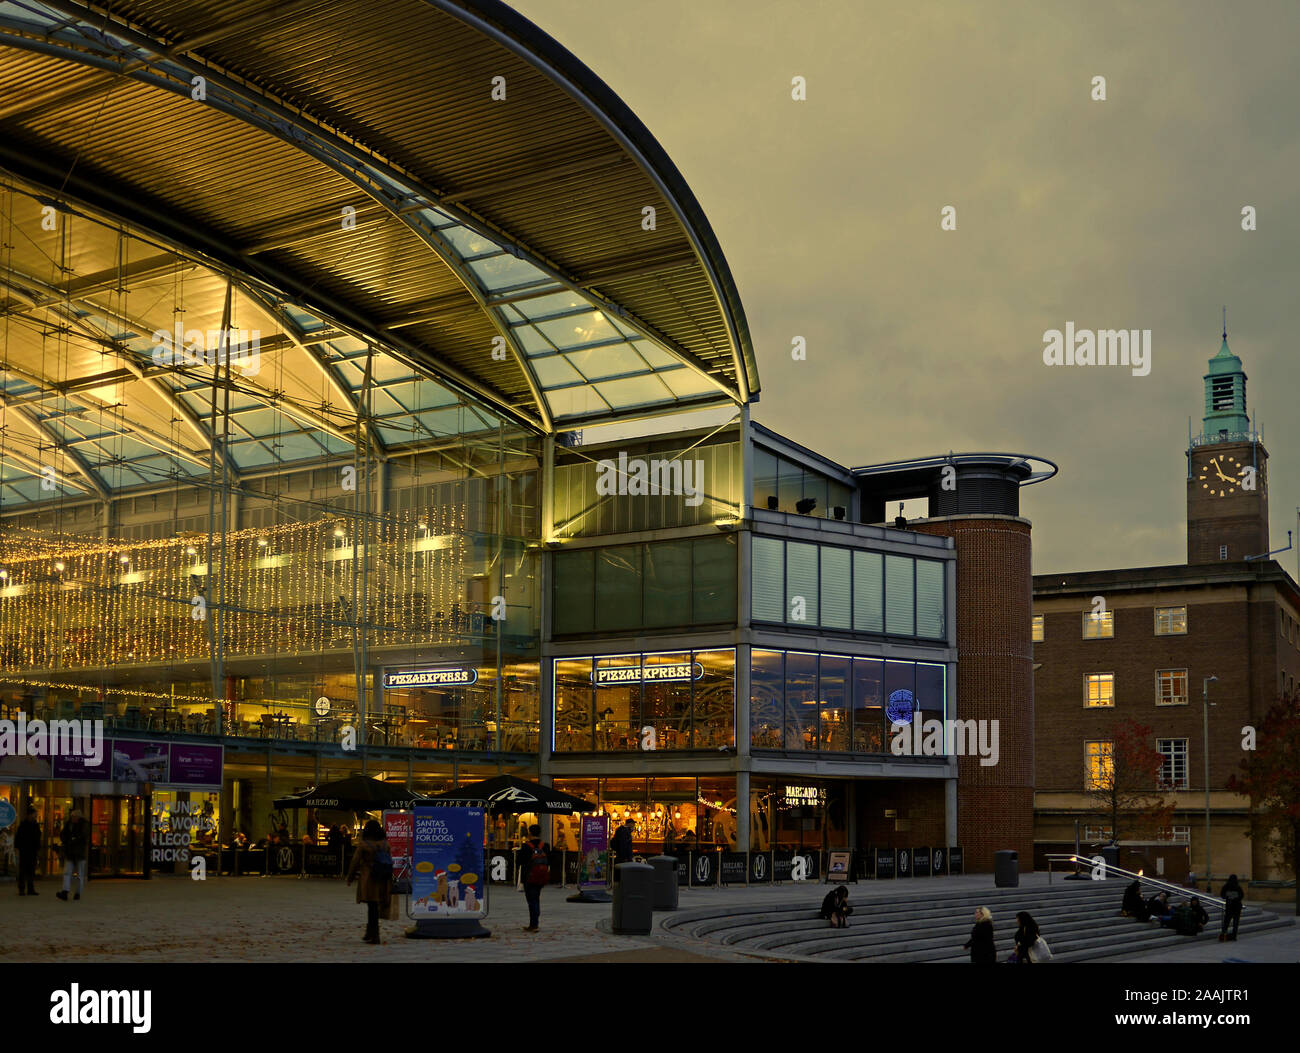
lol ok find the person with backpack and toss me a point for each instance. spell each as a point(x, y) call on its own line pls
point(535, 866)
point(372, 863)
point(1232, 897)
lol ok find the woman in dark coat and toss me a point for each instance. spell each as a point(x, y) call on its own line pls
point(1134, 906)
point(375, 892)
point(983, 951)
point(836, 909)
point(1026, 937)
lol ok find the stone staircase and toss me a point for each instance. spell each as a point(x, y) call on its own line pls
point(1079, 919)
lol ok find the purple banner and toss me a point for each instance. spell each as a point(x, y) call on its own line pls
point(74, 767)
point(139, 761)
point(195, 766)
point(593, 871)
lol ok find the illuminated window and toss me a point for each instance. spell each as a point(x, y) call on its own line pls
point(1098, 765)
point(1171, 687)
point(1099, 690)
point(1173, 769)
point(1038, 628)
point(1171, 621)
point(1098, 626)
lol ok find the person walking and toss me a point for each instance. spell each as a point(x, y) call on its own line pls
point(533, 863)
point(75, 837)
point(983, 950)
point(1233, 898)
point(372, 869)
point(27, 842)
point(1026, 936)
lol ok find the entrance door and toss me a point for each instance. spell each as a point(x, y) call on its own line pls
point(116, 836)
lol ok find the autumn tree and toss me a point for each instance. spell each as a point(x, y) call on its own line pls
point(1127, 792)
point(1270, 776)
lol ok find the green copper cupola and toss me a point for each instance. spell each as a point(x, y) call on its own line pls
point(1225, 397)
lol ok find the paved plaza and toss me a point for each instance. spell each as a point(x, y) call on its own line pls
point(172, 919)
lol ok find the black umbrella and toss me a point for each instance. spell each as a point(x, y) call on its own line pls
point(508, 795)
point(358, 793)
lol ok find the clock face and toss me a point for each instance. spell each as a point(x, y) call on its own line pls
point(1220, 476)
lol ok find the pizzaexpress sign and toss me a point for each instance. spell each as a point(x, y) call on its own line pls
point(447, 676)
point(636, 674)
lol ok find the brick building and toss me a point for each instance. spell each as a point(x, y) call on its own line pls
point(1143, 643)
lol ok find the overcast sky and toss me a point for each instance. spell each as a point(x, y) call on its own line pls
point(1122, 214)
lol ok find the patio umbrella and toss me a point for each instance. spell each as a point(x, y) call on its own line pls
point(357, 793)
point(509, 795)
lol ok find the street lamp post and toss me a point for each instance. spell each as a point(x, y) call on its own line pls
point(1205, 708)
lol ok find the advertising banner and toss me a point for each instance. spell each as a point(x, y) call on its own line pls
point(904, 862)
point(838, 867)
point(704, 868)
point(195, 767)
point(398, 828)
point(732, 868)
point(447, 852)
point(323, 862)
point(760, 868)
point(920, 862)
point(885, 863)
point(593, 872)
point(72, 767)
point(954, 860)
point(140, 761)
point(939, 860)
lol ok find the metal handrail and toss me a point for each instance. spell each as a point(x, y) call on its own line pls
point(1164, 886)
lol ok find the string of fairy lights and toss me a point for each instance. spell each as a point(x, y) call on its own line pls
point(70, 602)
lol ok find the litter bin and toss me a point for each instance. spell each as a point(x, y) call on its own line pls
point(1006, 869)
point(633, 908)
point(665, 882)
point(1110, 853)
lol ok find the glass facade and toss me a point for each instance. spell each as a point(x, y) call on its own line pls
point(780, 485)
point(798, 584)
point(657, 585)
point(668, 812)
point(647, 486)
point(626, 703)
point(833, 703)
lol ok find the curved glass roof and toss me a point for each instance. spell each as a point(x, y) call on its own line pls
point(485, 263)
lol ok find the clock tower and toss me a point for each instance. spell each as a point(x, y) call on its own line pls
point(1227, 479)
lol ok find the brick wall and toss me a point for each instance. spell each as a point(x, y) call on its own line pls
point(995, 804)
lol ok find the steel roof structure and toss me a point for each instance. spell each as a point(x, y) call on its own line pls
point(421, 256)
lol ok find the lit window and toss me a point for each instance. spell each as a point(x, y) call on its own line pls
point(1223, 551)
point(1173, 769)
point(1098, 765)
point(1099, 690)
point(1092, 834)
point(1171, 621)
point(1038, 628)
point(1098, 626)
point(1171, 687)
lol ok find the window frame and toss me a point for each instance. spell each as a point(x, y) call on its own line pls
point(1171, 759)
point(1106, 618)
point(1087, 695)
point(1087, 756)
point(1171, 632)
point(1186, 699)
